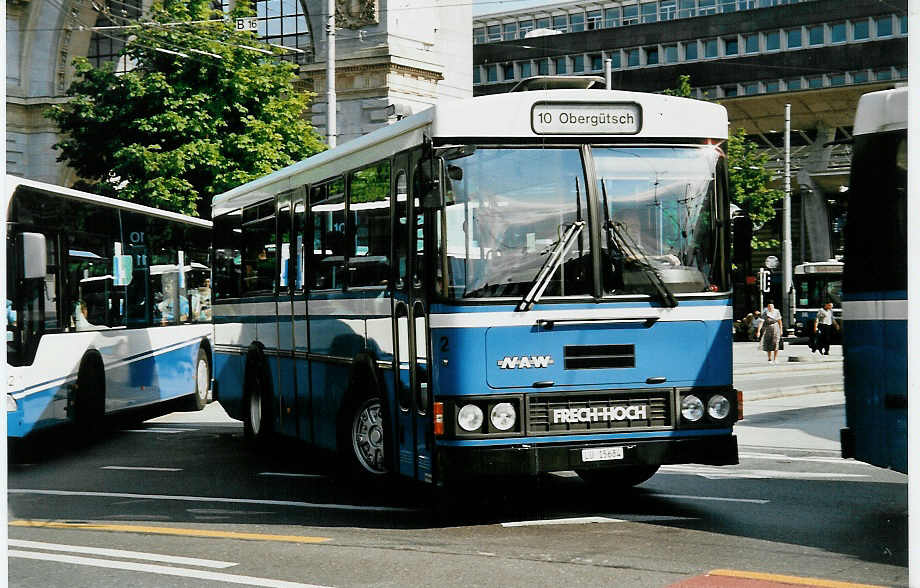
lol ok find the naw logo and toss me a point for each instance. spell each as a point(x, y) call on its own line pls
point(518, 362)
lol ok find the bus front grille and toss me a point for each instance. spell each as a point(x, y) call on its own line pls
point(594, 412)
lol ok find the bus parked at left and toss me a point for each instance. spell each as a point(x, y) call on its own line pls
point(108, 307)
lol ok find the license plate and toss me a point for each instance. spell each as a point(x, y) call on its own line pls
point(601, 453)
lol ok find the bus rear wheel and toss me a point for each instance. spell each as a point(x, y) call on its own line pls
point(619, 477)
point(256, 407)
point(366, 437)
point(202, 381)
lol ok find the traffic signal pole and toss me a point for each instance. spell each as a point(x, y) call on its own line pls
point(788, 294)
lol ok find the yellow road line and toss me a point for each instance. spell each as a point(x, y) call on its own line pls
point(795, 580)
point(170, 531)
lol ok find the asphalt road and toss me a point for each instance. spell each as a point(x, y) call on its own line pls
point(122, 510)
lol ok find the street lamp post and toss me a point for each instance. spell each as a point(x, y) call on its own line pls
point(788, 294)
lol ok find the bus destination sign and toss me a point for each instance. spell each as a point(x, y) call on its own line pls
point(555, 118)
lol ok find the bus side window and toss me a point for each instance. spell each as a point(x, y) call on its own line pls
point(369, 206)
point(327, 217)
point(259, 249)
point(227, 255)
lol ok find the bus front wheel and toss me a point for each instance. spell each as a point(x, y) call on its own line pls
point(365, 437)
point(619, 477)
point(202, 381)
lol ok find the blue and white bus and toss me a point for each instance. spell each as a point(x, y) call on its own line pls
point(875, 284)
point(506, 285)
point(108, 307)
point(816, 283)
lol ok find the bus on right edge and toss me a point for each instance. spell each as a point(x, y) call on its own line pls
point(875, 285)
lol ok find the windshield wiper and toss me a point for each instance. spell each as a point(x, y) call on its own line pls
point(618, 237)
point(555, 258)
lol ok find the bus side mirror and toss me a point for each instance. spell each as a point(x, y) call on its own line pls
point(33, 252)
point(742, 234)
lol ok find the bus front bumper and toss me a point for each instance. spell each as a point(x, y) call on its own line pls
point(464, 462)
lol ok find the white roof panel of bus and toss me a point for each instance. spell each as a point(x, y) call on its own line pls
point(878, 112)
point(489, 118)
point(13, 182)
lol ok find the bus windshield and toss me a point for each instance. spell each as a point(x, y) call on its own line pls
point(507, 209)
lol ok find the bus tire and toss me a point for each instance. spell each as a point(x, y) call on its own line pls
point(257, 413)
point(89, 402)
point(362, 437)
point(199, 399)
point(619, 477)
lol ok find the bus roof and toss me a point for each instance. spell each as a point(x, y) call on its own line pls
point(830, 266)
point(882, 111)
point(13, 183)
point(496, 118)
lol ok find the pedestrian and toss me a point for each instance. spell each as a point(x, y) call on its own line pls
point(771, 332)
point(824, 328)
point(756, 323)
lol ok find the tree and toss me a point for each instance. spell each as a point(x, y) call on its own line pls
point(199, 113)
point(747, 173)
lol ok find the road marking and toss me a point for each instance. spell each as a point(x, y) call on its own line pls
point(158, 430)
point(721, 474)
point(795, 580)
point(568, 521)
point(809, 458)
point(711, 498)
point(189, 561)
point(291, 475)
point(214, 499)
point(141, 469)
point(162, 570)
point(171, 531)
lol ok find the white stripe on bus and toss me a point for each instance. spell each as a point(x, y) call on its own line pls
point(529, 319)
point(875, 310)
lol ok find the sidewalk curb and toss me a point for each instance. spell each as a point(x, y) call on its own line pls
point(767, 394)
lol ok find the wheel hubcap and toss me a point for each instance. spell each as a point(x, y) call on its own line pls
point(202, 379)
point(367, 437)
point(255, 413)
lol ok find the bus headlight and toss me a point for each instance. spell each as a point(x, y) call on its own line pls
point(470, 418)
point(718, 407)
point(10, 403)
point(691, 408)
point(503, 416)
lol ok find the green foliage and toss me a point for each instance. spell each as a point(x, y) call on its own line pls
point(748, 177)
point(175, 131)
point(683, 88)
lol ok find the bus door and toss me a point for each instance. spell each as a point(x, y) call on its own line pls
point(410, 306)
point(287, 373)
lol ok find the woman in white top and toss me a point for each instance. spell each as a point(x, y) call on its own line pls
point(772, 328)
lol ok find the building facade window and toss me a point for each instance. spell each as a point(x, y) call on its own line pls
point(691, 51)
point(730, 91)
point(491, 73)
point(707, 7)
point(509, 31)
point(479, 35)
point(731, 45)
point(561, 23)
point(686, 8)
point(883, 74)
point(561, 65)
point(727, 5)
point(476, 74)
point(794, 84)
point(771, 41)
point(632, 58)
point(494, 33)
point(772, 86)
point(710, 48)
point(839, 32)
point(508, 71)
point(670, 54)
point(794, 38)
point(752, 43)
point(631, 15)
point(524, 27)
point(883, 26)
point(649, 12)
point(543, 67)
point(816, 82)
point(816, 35)
point(902, 21)
point(577, 21)
point(751, 88)
point(860, 77)
point(838, 79)
point(611, 18)
point(595, 20)
point(543, 22)
point(651, 55)
point(861, 29)
point(597, 62)
point(902, 72)
point(578, 63)
point(667, 9)
point(526, 69)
